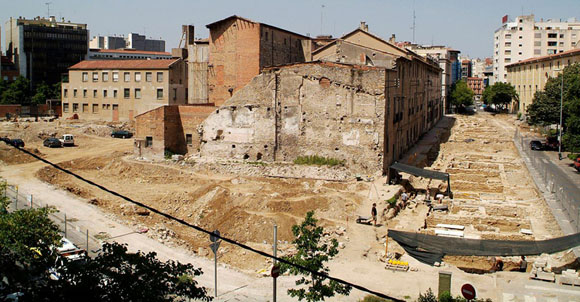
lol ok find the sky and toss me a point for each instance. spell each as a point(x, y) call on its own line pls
point(466, 25)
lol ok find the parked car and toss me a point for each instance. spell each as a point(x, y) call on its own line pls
point(67, 140)
point(52, 142)
point(121, 134)
point(577, 164)
point(18, 143)
point(536, 145)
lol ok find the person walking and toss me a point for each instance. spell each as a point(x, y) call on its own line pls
point(374, 213)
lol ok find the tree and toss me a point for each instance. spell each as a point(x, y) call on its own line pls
point(28, 241)
point(43, 92)
point(312, 254)
point(461, 95)
point(545, 107)
point(18, 92)
point(500, 94)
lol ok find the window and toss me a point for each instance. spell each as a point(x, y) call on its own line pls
point(538, 43)
point(75, 107)
point(85, 108)
point(85, 76)
point(552, 36)
point(160, 77)
point(137, 93)
point(538, 35)
point(137, 77)
point(105, 76)
point(188, 139)
point(148, 141)
point(508, 36)
point(115, 107)
point(520, 37)
point(95, 93)
point(159, 93)
point(115, 93)
point(537, 51)
point(126, 93)
point(561, 36)
point(127, 76)
point(65, 93)
point(95, 108)
point(508, 44)
point(174, 94)
point(148, 76)
point(508, 52)
point(65, 107)
point(84, 93)
point(74, 93)
point(521, 28)
point(115, 76)
point(561, 44)
point(507, 60)
point(554, 43)
point(105, 93)
point(95, 76)
point(104, 106)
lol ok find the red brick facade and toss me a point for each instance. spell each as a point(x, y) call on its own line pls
point(171, 128)
point(476, 85)
point(239, 48)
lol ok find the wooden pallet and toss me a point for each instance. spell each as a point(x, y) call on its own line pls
point(393, 267)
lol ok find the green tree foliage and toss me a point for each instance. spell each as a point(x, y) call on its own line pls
point(461, 95)
point(17, 92)
point(312, 254)
point(117, 275)
point(28, 240)
point(545, 107)
point(499, 94)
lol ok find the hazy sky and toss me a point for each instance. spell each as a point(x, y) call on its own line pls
point(466, 25)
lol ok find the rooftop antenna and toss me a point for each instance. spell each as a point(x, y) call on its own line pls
point(413, 27)
point(321, 17)
point(48, 8)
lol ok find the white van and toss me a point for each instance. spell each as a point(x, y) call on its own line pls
point(67, 140)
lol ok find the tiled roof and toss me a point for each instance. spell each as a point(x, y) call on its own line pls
point(263, 24)
point(131, 51)
point(123, 64)
point(538, 59)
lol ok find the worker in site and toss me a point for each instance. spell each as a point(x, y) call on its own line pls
point(374, 213)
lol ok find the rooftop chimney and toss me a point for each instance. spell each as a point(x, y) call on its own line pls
point(364, 26)
point(392, 39)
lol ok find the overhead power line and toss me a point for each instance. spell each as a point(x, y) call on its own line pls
point(200, 229)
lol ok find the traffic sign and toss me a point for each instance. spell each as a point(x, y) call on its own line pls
point(213, 238)
point(214, 246)
point(275, 272)
point(468, 291)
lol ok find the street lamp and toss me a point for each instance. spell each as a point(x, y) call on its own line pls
point(561, 105)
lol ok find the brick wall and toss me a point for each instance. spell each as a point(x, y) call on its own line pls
point(10, 109)
point(233, 59)
point(278, 47)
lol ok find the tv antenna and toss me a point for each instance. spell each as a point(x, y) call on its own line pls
point(414, 26)
point(321, 17)
point(48, 8)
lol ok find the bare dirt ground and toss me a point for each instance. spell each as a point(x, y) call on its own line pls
point(494, 198)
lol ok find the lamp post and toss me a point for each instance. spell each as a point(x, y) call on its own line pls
point(561, 111)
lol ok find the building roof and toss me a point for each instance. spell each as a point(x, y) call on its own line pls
point(248, 20)
point(123, 64)
point(323, 63)
point(568, 53)
point(130, 51)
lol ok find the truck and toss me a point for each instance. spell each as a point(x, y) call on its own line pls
point(67, 140)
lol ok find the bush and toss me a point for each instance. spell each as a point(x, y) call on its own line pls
point(392, 201)
point(371, 298)
point(573, 156)
point(428, 297)
point(168, 154)
point(446, 297)
point(318, 160)
point(519, 115)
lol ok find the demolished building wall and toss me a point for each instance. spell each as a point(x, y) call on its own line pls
point(324, 109)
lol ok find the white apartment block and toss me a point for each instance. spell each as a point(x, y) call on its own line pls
point(524, 38)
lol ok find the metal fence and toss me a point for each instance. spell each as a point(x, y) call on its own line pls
point(80, 236)
point(554, 180)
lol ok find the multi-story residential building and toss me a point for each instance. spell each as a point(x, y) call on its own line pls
point(466, 69)
point(43, 49)
point(132, 41)
point(126, 54)
point(446, 57)
point(529, 76)
point(8, 71)
point(476, 85)
point(240, 48)
point(119, 90)
point(524, 38)
point(415, 99)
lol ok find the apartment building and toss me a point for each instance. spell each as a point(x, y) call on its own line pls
point(476, 85)
point(126, 54)
point(523, 38)
point(119, 90)
point(529, 76)
point(240, 48)
point(133, 41)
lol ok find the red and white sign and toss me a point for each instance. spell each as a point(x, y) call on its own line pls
point(504, 19)
point(468, 291)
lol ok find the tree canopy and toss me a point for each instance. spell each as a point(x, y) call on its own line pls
point(545, 107)
point(19, 92)
point(29, 264)
point(499, 94)
point(312, 254)
point(461, 94)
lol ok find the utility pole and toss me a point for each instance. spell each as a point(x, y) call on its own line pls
point(274, 262)
point(561, 105)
